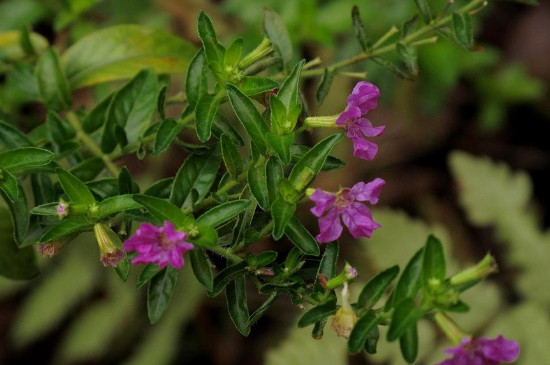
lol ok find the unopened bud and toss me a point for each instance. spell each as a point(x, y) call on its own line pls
point(110, 247)
point(474, 274)
point(62, 209)
point(327, 121)
point(346, 275)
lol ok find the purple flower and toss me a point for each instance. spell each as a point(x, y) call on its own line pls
point(346, 203)
point(482, 351)
point(359, 128)
point(158, 245)
point(364, 96)
point(62, 209)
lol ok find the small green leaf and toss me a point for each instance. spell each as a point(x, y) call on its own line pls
point(324, 85)
point(43, 189)
point(310, 164)
point(425, 10)
point(161, 288)
point(376, 286)
point(233, 53)
point(160, 189)
point(231, 157)
point(409, 55)
point(196, 82)
point(281, 212)
point(252, 85)
point(281, 145)
point(116, 204)
point(162, 210)
point(288, 93)
point(433, 265)
point(318, 313)
point(12, 137)
point(372, 341)
point(361, 331)
point(222, 126)
point(45, 209)
point(397, 69)
point(278, 34)
point(327, 267)
point(249, 116)
point(331, 163)
point(121, 51)
point(301, 237)
point(223, 213)
point(235, 293)
point(75, 189)
point(12, 42)
point(15, 197)
point(258, 313)
point(274, 173)
point(404, 316)
point(257, 182)
point(197, 173)
point(214, 51)
point(202, 268)
point(146, 274)
point(66, 227)
point(207, 237)
point(408, 343)
point(463, 30)
point(53, 86)
point(227, 275)
point(58, 130)
point(20, 159)
point(360, 31)
point(409, 26)
point(88, 169)
point(409, 283)
point(205, 111)
point(166, 133)
point(97, 116)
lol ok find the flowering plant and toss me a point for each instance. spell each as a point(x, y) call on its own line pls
point(242, 180)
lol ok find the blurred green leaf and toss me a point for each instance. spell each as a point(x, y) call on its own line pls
point(15, 263)
point(52, 83)
point(376, 286)
point(404, 316)
point(76, 191)
point(159, 293)
point(433, 264)
point(361, 331)
point(278, 34)
point(408, 342)
point(318, 313)
point(11, 47)
point(202, 268)
point(15, 160)
point(235, 293)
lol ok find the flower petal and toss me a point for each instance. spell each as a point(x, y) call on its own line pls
point(364, 96)
point(323, 202)
point(364, 149)
point(348, 116)
point(499, 349)
point(330, 227)
point(358, 218)
point(368, 192)
point(365, 126)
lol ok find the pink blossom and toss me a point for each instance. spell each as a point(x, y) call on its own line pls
point(347, 204)
point(160, 245)
point(359, 128)
point(483, 351)
point(364, 96)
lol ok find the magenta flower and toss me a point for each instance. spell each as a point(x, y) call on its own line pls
point(482, 351)
point(364, 96)
point(359, 128)
point(158, 245)
point(346, 203)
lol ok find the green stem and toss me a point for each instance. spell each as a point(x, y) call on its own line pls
point(225, 253)
point(86, 140)
point(449, 327)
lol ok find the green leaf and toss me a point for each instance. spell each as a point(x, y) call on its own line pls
point(205, 111)
point(360, 31)
point(45, 209)
point(409, 283)
point(324, 85)
point(372, 341)
point(223, 213)
point(257, 182)
point(278, 34)
point(227, 275)
point(425, 10)
point(376, 286)
point(52, 83)
point(274, 173)
point(16, 200)
point(88, 169)
point(146, 274)
point(160, 189)
point(408, 343)
point(409, 56)
point(43, 189)
point(259, 312)
point(222, 126)
point(196, 83)
point(98, 115)
point(252, 85)
point(397, 69)
point(197, 173)
point(463, 30)
point(281, 212)
point(214, 51)
point(288, 93)
point(131, 109)
point(404, 316)
point(121, 51)
point(310, 164)
point(58, 130)
point(433, 265)
point(75, 189)
point(249, 116)
point(301, 237)
point(18, 159)
point(166, 133)
point(15, 263)
point(125, 181)
point(231, 157)
point(318, 313)
point(281, 145)
point(162, 210)
point(66, 227)
point(235, 293)
point(233, 53)
point(202, 268)
point(327, 267)
point(409, 26)
point(161, 288)
point(116, 204)
point(361, 331)
point(13, 48)
point(12, 137)
point(161, 102)
point(207, 237)
point(331, 163)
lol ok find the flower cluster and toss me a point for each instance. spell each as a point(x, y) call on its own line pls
point(483, 351)
point(158, 245)
point(363, 99)
point(346, 203)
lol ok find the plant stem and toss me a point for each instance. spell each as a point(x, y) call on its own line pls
point(85, 139)
point(225, 253)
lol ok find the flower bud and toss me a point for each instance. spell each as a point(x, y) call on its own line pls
point(474, 274)
point(325, 121)
point(62, 209)
point(109, 243)
point(346, 275)
point(265, 48)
